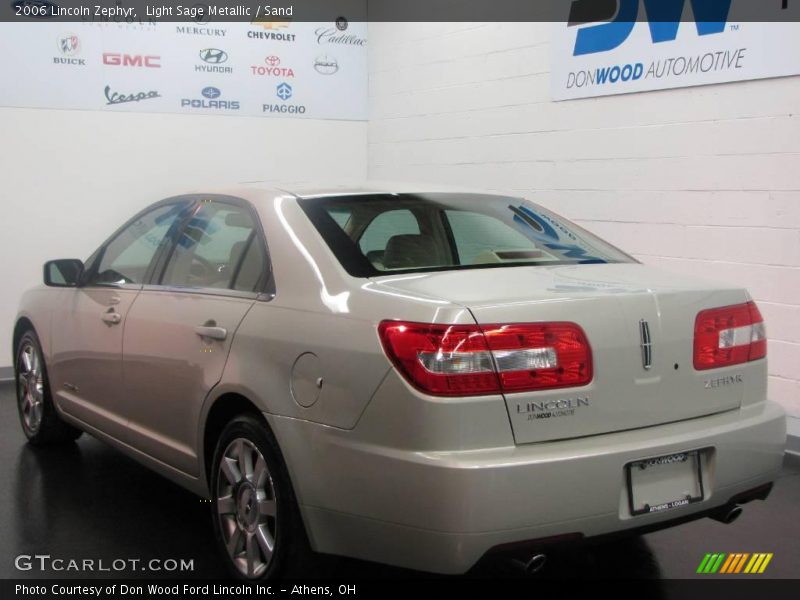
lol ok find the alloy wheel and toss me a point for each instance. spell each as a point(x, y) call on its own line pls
point(30, 387)
point(246, 507)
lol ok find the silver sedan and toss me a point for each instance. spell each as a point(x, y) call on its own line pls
point(418, 378)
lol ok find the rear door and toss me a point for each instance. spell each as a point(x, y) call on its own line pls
point(180, 328)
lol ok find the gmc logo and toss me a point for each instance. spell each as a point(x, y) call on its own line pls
point(131, 60)
point(663, 18)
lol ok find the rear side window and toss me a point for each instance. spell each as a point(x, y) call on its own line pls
point(213, 249)
point(401, 233)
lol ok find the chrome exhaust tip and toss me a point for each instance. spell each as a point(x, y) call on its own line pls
point(728, 514)
point(532, 565)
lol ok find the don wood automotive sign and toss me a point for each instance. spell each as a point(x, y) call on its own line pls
point(604, 48)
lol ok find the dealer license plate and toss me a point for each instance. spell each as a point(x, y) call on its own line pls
point(665, 482)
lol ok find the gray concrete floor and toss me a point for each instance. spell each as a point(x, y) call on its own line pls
point(85, 500)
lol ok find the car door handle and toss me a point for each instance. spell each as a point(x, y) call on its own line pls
point(214, 333)
point(111, 317)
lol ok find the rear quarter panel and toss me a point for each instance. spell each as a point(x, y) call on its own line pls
point(319, 310)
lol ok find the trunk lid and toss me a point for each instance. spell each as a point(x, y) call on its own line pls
point(610, 302)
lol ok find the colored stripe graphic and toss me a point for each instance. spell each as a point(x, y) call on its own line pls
point(734, 563)
point(711, 563)
point(728, 563)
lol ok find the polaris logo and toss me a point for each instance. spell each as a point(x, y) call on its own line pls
point(663, 19)
point(210, 100)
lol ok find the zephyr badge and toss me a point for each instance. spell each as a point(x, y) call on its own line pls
point(647, 345)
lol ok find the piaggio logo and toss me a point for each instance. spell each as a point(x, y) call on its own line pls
point(735, 563)
point(663, 18)
point(284, 91)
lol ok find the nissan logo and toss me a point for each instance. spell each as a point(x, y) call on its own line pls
point(213, 56)
point(211, 93)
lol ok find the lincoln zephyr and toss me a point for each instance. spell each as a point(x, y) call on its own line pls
point(411, 377)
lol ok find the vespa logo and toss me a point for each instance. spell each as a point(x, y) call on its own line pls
point(663, 18)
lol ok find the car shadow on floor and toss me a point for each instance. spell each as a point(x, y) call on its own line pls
point(85, 500)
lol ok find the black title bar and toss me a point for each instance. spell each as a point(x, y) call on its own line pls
point(220, 11)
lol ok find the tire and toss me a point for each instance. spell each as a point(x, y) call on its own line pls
point(257, 525)
point(40, 421)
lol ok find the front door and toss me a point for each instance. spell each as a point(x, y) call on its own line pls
point(86, 368)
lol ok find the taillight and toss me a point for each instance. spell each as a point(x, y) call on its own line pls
point(473, 360)
point(727, 336)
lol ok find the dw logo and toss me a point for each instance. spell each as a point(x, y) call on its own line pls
point(663, 17)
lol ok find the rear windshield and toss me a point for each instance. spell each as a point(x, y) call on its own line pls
point(383, 234)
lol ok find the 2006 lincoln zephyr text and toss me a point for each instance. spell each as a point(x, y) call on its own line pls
point(409, 377)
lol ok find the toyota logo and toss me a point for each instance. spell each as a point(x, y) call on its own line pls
point(273, 61)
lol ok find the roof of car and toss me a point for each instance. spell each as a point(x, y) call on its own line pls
point(303, 190)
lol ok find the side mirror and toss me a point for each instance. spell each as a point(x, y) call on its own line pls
point(65, 272)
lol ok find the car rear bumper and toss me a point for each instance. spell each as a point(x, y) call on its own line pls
point(442, 511)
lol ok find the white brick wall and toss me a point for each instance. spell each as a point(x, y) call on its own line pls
point(701, 180)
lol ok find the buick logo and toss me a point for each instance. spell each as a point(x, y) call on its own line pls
point(326, 65)
point(213, 56)
point(69, 45)
point(211, 92)
point(273, 61)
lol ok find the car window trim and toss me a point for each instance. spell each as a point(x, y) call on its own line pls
point(265, 287)
point(94, 260)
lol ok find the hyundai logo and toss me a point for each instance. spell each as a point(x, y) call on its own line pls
point(213, 56)
point(211, 93)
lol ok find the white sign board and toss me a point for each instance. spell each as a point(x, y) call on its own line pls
point(623, 54)
point(277, 69)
